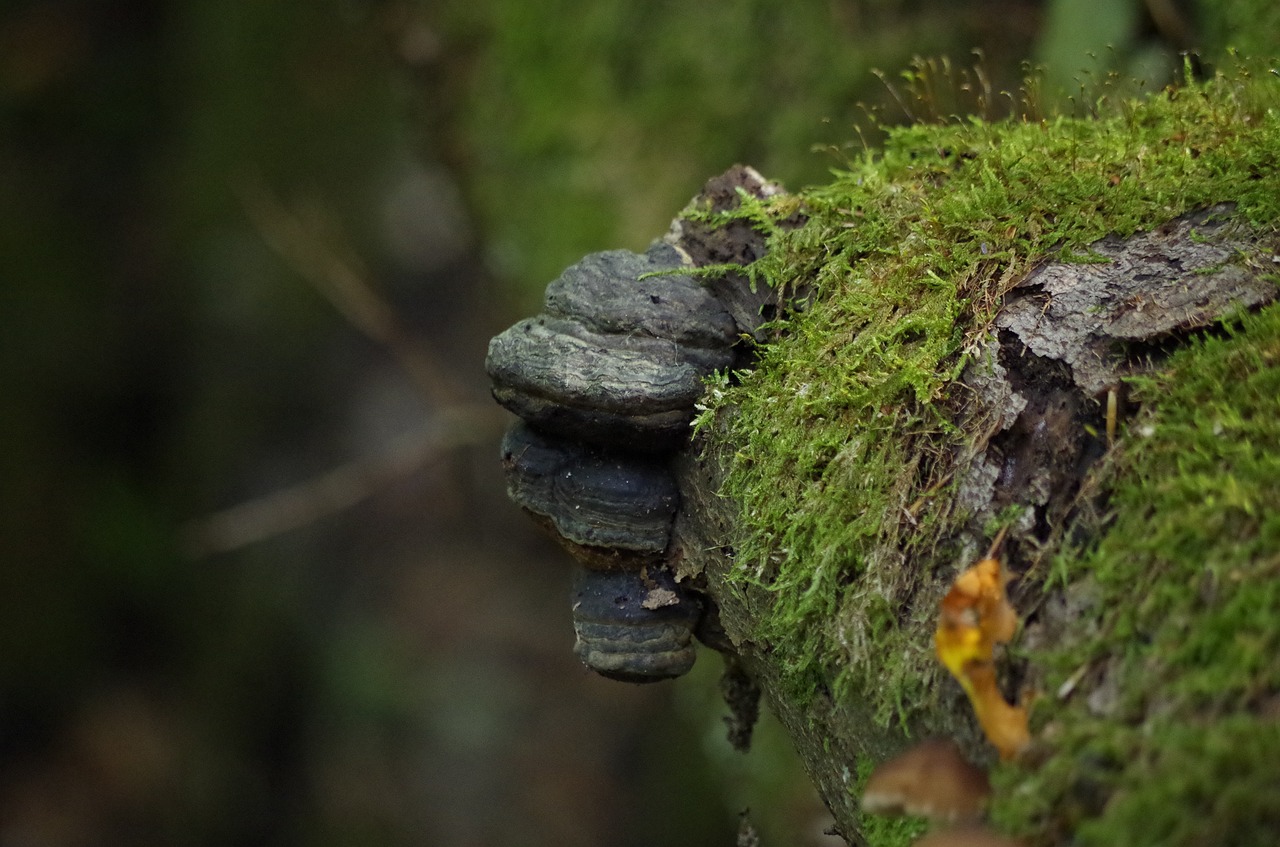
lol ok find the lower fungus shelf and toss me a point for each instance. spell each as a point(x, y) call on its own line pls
point(634, 626)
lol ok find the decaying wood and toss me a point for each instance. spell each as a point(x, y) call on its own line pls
point(1062, 342)
point(1069, 333)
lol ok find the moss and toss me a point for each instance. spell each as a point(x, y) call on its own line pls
point(839, 442)
point(845, 420)
point(1187, 585)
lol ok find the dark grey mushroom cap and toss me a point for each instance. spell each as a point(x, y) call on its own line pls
point(632, 392)
point(612, 509)
point(606, 294)
point(634, 626)
point(614, 360)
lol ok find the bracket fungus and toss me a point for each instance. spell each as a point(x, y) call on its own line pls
point(615, 359)
point(605, 382)
point(609, 509)
point(634, 626)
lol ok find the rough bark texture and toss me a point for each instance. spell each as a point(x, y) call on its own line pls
point(1036, 420)
point(829, 737)
point(1069, 333)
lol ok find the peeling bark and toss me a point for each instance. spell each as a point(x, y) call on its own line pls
point(1069, 333)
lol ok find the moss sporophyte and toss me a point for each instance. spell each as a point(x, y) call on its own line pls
point(851, 417)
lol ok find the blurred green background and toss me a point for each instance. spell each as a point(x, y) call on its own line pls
point(259, 585)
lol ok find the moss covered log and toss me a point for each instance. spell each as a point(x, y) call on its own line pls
point(835, 490)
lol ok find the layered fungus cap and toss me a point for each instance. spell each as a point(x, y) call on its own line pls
point(634, 626)
point(611, 509)
point(615, 359)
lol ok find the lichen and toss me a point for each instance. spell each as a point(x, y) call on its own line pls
point(839, 443)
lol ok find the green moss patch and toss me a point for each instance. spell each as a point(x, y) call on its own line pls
point(839, 439)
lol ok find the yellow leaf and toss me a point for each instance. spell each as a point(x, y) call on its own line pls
point(973, 618)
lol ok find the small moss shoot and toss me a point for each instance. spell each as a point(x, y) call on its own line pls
point(839, 439)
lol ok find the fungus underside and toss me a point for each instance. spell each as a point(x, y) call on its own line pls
point(838, 444)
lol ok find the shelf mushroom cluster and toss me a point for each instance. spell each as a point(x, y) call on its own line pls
point(604, 381)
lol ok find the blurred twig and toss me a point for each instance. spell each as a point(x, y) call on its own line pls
point(337, 489)
point(313, 246)
point(310, 243)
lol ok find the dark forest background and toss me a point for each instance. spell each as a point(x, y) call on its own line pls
point(260, 583)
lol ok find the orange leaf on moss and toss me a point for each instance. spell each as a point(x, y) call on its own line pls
point(1004, 724)
point(973, 618)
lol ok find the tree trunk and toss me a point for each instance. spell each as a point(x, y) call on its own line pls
point(1046, 396)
